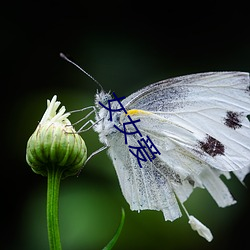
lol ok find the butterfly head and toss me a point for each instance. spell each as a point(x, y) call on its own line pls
point(102, 97)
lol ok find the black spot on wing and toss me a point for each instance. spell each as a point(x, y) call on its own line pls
point(233, 119)
point(212, 146)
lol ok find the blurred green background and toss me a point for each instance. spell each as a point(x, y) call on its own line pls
point(125, 47)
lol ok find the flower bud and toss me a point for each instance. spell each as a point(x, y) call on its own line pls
point(55, 144)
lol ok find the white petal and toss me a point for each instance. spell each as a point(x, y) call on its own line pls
point(200, 228)
point(51, 115)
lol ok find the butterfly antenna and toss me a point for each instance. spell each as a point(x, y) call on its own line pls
point(86, 73)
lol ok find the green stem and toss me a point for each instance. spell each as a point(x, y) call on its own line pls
point(117, 234)
point(54, 177)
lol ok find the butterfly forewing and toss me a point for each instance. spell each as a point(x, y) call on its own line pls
point(210, 109)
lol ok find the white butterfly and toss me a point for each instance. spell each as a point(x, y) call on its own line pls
point(199, 125)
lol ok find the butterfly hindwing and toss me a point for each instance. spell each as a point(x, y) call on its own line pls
point(143, 187)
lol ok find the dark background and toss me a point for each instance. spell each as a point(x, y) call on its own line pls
point(125, 45)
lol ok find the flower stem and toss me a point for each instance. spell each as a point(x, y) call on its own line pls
point(53, 185)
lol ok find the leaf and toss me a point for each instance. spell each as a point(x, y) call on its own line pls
point(117, 234)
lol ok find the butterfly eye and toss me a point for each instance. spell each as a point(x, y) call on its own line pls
point(105, 99)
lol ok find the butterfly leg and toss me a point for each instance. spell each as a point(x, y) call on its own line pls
point(84, 125)
point(81, 129)
point(92, 154)
point(86, 116)
point(96, 152)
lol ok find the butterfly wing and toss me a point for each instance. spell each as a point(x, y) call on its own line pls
point(143, 188)
point(175, 172)
point(199, 125)
point(213, 107)
point(179, 162)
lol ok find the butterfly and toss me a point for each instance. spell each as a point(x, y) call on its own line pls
point(198, 126)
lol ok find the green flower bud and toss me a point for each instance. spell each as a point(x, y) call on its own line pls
point(55, 144)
